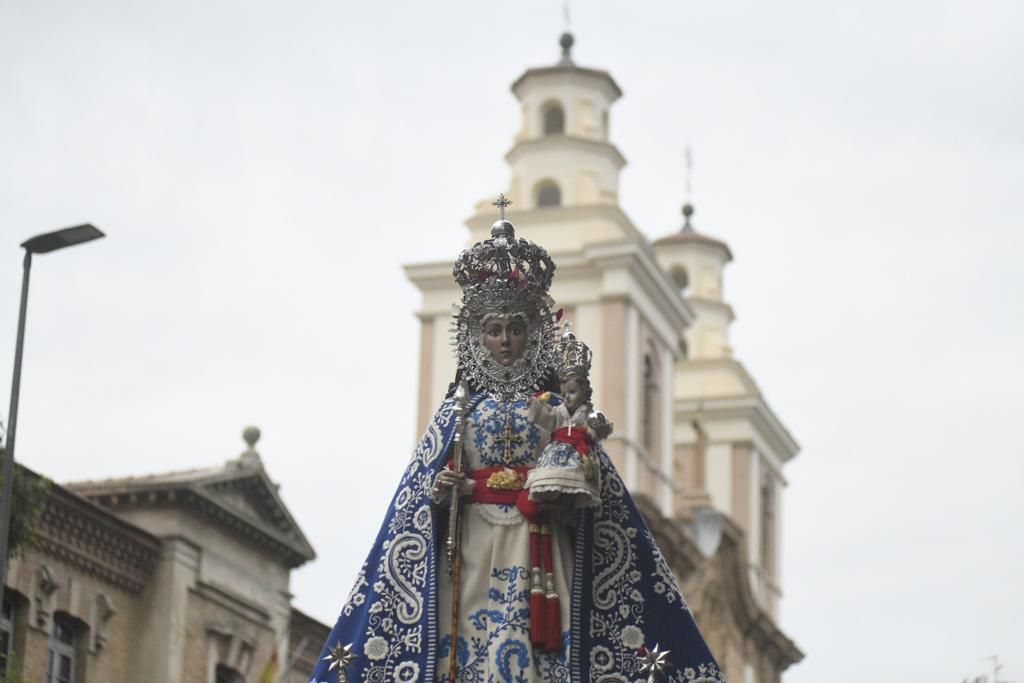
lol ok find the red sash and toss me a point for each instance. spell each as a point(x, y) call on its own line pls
point(578, 437)
point(545, 610)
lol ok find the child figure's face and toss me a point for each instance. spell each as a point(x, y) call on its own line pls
point(572, 393)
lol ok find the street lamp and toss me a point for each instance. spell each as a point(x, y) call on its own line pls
point(40, 244)
point(707, 529)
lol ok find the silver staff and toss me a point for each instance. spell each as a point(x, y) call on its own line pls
point(454, 556)
point(452, 545)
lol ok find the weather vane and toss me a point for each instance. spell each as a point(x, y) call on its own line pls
point(501, 202)
point(689, 174)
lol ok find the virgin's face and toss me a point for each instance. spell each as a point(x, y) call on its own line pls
point(505, 338)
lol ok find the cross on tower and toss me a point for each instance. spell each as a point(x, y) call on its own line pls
point(509, 439)
point(501, 202)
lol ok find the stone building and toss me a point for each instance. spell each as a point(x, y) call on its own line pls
point(695, 440)
point(174, 578)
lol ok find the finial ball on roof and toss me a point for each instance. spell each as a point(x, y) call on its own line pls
point(566, 41)
point(251, 436)
point(687, 209)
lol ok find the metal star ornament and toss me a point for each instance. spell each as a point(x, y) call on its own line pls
point(655, 662)
point(340, 658)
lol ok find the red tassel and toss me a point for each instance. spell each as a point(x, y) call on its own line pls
point(537, 630)
point(553, 624)
point(529, 508)
point(538, 623)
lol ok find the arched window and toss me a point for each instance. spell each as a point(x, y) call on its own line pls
point(768, 525)
point(680, 278)
point(548, 194)
point(60, 667)
point(649, 416)
point(6, 635)
point(554, 119)
point(225, 674)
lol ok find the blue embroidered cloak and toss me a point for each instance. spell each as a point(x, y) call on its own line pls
point(624, 599)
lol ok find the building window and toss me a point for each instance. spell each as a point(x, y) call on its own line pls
point(548, 194)
point(768, 525)
point(225, 674)
point(554, 119)
point(680, 278)
point(649, 416)
point(6, 637)
point(60, 663)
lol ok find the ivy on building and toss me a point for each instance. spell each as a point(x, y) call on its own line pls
point(27, 502)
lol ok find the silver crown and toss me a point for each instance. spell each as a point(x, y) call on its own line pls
point(575, 356)
point(518, 262)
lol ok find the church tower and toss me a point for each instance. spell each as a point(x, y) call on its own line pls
point(730, 446)
point(562, 155)
point(564, 185)
point(692, 431)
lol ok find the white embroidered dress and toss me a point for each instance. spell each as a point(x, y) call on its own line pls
point(494, 612)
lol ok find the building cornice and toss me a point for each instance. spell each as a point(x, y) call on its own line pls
point(752, 407)
point(77, 532)
point(279, 536)
point(565, 142)
point(562, 71)
point(688, 237)
point(698, 302)
point(652, 279)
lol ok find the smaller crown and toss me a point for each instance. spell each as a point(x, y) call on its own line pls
point(575, 356)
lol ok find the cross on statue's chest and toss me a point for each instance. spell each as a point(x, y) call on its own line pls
point(508, 439)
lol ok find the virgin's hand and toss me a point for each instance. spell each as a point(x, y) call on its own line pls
point(447, 478)
point(444, 482)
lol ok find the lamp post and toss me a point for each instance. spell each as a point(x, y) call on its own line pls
point(40, 244)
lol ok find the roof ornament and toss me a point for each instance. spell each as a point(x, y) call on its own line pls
point(250, 455)
point(687, 212)
point(566, 41)
point(688, 206)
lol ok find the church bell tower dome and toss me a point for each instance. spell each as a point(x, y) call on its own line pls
point(561, 155)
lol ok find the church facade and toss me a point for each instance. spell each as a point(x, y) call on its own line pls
point(695, 440)
point(173, 578)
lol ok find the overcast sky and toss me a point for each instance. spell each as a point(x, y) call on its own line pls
point(263, 170)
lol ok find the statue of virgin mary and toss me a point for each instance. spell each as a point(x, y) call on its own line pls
point(532, 592)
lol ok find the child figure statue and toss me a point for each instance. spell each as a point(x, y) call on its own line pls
point(566, 472)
